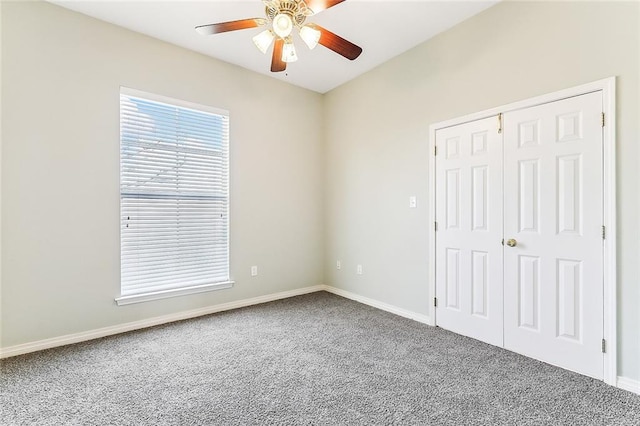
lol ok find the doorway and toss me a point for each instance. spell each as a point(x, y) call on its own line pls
point(519, 230)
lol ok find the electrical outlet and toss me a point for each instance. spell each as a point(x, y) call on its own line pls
point(413, 202)
point(254, 271)
point(338, 265)
point(359, 270)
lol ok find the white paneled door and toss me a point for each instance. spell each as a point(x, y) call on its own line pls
point(519, 249)
point(469, 216)
point(553, 273)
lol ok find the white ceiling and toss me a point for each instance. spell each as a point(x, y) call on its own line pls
point(383, 29)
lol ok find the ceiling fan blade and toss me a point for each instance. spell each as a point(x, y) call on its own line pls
point(337, 44)
point(277, 64)
point(320, 5)
point(223, 27)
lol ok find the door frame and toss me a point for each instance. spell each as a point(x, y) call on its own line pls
point(608, 88)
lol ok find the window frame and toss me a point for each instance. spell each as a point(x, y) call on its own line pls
point(126, 299)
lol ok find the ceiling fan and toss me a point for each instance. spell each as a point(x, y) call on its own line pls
point(282, 16)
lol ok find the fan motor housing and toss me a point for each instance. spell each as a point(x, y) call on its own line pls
point(288, 7)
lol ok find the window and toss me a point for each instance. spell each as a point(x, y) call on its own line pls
point(174, 198)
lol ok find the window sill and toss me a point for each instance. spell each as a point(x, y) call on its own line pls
point(146, 297)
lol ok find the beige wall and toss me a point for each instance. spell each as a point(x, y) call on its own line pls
point(377, 139)
point(60, 171)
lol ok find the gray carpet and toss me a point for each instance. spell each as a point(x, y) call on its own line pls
point(315, 359)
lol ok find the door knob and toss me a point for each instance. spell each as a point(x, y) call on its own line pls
point(512, 243)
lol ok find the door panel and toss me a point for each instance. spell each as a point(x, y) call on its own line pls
point(529, 292)
point(553, 209)
point(469, 212)
point(479, 283)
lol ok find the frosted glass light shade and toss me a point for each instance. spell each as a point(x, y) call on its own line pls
point(289, 53)
point(263, 40)
point(282, 25)
point(310, 36)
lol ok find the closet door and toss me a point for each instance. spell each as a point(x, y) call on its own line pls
point(468, 241)
point(553, 254)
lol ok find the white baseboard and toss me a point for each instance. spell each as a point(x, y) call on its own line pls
point(136, 325)
point(622, 382)
point(629, 384)
point(380, 305)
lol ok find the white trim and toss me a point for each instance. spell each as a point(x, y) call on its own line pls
point(137, 325)
point(607, 86)
point(194, 313)
point(610, 309)
point(175, 292)
point(629, 384)
point(621, 382)
point(379, 305)
point(431, 260)
point(202, 282)
point(604, 84)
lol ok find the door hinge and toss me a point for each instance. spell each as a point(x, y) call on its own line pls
point(435, 150)
point(435, 302)
point(435, 226)
point(604, 346)
point(603, 119)
point(604, 232)
point(499, 123)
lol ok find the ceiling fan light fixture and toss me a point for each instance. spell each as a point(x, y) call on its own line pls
point(282, 25)
point(289, 53)
point(310, 36)
point(263, 40)
point(281, 17)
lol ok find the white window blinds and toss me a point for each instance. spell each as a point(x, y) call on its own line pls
point(173, 195)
